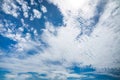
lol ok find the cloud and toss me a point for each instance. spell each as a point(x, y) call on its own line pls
point(43, 8)
point(66, 46)
point(79, 8)
point(32, 2)
point(9, 7)
point(17, 77)
point(37, 14)
point(24, 6)
point(24, 41)
point(88, 49)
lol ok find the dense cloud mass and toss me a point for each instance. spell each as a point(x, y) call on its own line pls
point(80, 37)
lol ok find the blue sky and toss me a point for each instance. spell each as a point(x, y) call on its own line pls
point(59, 40)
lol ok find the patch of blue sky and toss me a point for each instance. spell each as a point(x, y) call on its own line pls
point(53, 15)
point(31, 52)
point(79, 70)
point(92, 76)
point(99, 10)
point(6, 43)
point(3, 72)
point(16, 21)
point(54, 62)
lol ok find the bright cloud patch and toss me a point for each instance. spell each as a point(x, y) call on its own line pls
point(9, 7)
point(43, 8)
point(37, 14)
point(85, 46)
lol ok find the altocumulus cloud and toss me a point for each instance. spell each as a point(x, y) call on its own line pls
point(89, 36)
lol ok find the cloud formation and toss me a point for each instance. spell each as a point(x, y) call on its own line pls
point(88, 37)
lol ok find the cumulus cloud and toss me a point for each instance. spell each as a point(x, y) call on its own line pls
point(43, 8)
point(24, 6)
point(24, 41)
point(9, 7)
point(37, 14)
point(32, 2)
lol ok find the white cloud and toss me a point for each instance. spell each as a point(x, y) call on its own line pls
point(98, 48)
point(25, 7)
point(17, 77)
point(35, 32)
point(43, 8)
point(37, 14)
point(9, 7)
point(21, 29)
point(1, 27)
point(81, 8)
point(10, 76)
point(23, 23)
point(32, 2)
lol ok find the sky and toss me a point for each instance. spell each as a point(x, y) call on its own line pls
point(59, 40)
